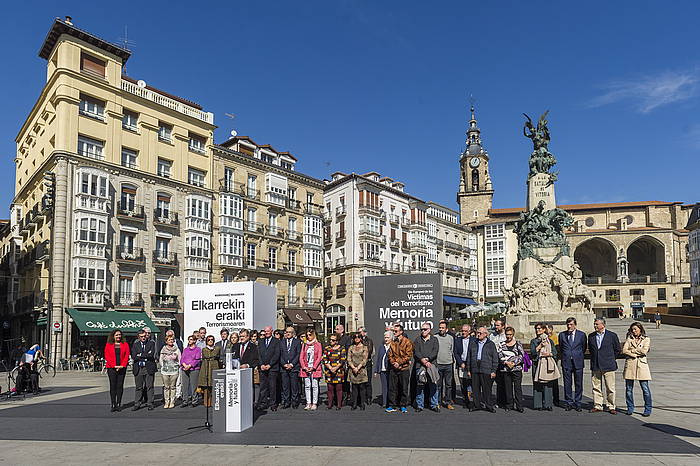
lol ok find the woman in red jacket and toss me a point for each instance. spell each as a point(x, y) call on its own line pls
point(117, 358)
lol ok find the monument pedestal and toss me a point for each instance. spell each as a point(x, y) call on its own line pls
point(232, 400)
point(524, 324)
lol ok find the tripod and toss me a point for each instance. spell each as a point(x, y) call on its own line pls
point(207, 425)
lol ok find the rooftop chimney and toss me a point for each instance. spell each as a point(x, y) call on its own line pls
point(69, 20)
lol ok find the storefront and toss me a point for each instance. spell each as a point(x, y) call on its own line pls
point(453, 304)
point(91, 328)
point(297, 318)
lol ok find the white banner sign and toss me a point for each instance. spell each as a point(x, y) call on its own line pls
point(230, 305)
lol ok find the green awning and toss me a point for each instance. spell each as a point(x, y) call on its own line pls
point(41, 322)
point(103, 322)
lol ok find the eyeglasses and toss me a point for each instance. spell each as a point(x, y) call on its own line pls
point(396, 330)
point(425, 329)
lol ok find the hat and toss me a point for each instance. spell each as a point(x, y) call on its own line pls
point(147, 329)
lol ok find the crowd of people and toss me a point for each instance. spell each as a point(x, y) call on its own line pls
point(423, 373)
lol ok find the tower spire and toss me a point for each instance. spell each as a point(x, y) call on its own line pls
point(473, 142)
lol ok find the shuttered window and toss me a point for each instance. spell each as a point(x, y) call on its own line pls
point(92, 65)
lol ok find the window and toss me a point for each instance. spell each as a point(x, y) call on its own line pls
point(292, 194)
point(612, 295)
point(495, 231)
point(310, 291)
point(130, 120)
point(162, 247)
point(128, 199)
point(164, 168)
point(272, 258)
point(90, 229)
point(198, 208)
point(126, 288)
point(161, 286)
point(312, 262)
point(197, 246)
point(92, 65)
point(292, 225)
point(90, 147)
point(287, 165)
point(494, 247)
point(92, 107)
point(92, 184)
point(126, 241)
point(661, 294)
point(252, 180)
point(292, 290)
point(494, 286)
point(228, 183)
point(165, 131)
point(89, 278)
point(197, 143)
point(195, 177)
point(312, 230)
point(495, 266)
point(250, 255)
point(686, 294)
point(163, 205)
point(252, 224)
point(292, 260)
point(128, 158)
point(231, 245)
point(230, 211)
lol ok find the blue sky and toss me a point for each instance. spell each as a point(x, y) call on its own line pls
point(362, 85)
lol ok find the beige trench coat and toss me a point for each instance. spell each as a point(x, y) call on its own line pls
point(636, 364)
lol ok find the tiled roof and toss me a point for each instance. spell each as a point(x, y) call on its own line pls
point(61, 27)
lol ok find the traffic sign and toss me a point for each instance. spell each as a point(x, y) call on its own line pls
point(57, 326)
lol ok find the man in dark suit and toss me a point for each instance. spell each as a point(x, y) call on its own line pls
point(245, 351)
point(143, 352)
point(572, 347)
point(269, 348)
point(604, 346)
point(482, 363)
point(225, 346)
point(461, 348)
point(290, 348)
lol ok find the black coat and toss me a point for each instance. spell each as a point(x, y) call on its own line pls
point(270, 353)
point(250, 357)
point(603, 359)
point(489, 358)
point(144, 355)
point(223, 351)
point(458, 347)
point(291, 356)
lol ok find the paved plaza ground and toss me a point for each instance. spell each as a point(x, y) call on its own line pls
point(70, 423)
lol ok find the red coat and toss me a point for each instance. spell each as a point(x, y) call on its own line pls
point(111, 358)
point(318, 356)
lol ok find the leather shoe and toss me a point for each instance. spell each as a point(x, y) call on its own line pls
point(151, 407)
point(612, 411)
point(273, 408)
point(520, 410)
point(435, 409)
point(596, 410)
point(646, 414)
point(136, 407)
point(567, 408)
point(491, 410)
point(578, 409)
point(418, 410)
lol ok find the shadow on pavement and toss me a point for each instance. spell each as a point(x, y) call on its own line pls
point(673, 430)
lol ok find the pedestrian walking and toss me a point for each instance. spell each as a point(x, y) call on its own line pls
point(657, 319)
point(116, 355)
point(169, 370)
point(635, 349)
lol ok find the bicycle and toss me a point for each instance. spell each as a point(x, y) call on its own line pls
point(43, 367)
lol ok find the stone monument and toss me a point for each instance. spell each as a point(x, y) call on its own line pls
point(547, 284)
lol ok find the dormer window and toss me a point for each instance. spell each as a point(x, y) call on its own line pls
point(92, 65)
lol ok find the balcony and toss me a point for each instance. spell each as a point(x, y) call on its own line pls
point(254, 227)
point(164, 302)
point(164, 259)
point(168, 102)
point(250, 193)
point(312, 271)
point(653, 278)
point(275, 231)
point(327, 240)
point(312, 302)
point(128, 299)
point(371, 235)
point(440, 243)
point(371, 260)
point(340, 236)
point(394, 219)
point(129, 255)
point(328, 293)
point(293, 235)
point(418, 245)
point(280, 302)
point(230, 261)
point(165, 217)
point(340, 211)
point(313, 209)
point(340, 262)
point(454, 269)
point(327, 216)
point(453, 246)
point(452, 291)
point(328, 265)
point(130, 211)
point(293, 204)
point(293, 301)
point(405, 245)
point(368, 209)
point(88, 298)
point(393, 267)
point(340, 290)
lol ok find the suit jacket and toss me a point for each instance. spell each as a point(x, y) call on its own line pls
point(381, 351)
point(290, 356)
point(603, 358)
point(489, 358)
point(225, 348)
point(270, 354)
point(251, 356)
point(461, 358)
point(144, 355)
point(571, 353)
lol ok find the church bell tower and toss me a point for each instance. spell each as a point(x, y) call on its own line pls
point(475, 195)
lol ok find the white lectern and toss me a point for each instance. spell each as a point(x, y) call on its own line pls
point(233, 399)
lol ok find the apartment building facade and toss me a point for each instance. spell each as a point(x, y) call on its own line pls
point(373, 227)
